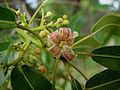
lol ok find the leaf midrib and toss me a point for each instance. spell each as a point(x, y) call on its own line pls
point(26, 79)
point(106, 56)
point(107, 83)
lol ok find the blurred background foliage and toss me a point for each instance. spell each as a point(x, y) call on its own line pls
point(83, 14)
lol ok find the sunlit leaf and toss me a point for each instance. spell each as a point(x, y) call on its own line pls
point(108, 56)
point(28, 78)
point(105, 80)
point(107, 24)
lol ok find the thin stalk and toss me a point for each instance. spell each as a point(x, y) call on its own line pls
point(78, 71)
point(7, 4)
point(54, 73)
point(34, 15)
point(43, 18)
point(84, 53)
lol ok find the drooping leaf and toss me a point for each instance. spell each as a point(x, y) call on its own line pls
point(108, 56)
point(7, 19)
point(28, 78)
point(75, 85)
point(4, 45)
point(105, 80)
point(107, 24)
point(2, 77)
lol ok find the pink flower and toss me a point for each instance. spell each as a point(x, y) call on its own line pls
point(61, 42)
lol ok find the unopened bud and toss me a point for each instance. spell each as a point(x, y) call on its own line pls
point(59, 20)
point(44, 33)
point(65, 17)
point(18, 12)
point(49, 24)
point(48, 14)
point(37, 50)
point(65, 22)
point(42, 69)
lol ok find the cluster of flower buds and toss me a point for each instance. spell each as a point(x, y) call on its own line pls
point(61, 42)
point(61, 21)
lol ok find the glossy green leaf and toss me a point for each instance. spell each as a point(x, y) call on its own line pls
point(108, 56)
point(28, 78)
point(107, 24)
point(4, 45)
point(105, 80)
point(7, 19)
point(2, 77)
point(75, 85)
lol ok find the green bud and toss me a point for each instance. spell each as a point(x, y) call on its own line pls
point(59, 20)
point(65, 17)
point(44, 33)
point(49, 24)
point(49, 13)
point(18, 12)
point(65, 22)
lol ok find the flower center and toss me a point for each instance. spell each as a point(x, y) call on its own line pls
point(61, 44)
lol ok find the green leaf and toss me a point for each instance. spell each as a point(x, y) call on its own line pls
point(7, 19)
point(7, 25)
point(28, 78)
point(107, 24)
point(4, 45)
point(105, 80)
point(2, 77)
point(75, 85)
point(107, 56)
point(6, 15)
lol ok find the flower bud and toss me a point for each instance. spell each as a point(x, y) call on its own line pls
point(68, 53)
point(42, 69)
point(65, 22)
point(65, 17)
point(49, 13)
point(44, 33)
point(55, 37)
point(55, 51)
point(18, 12)
point(59, 20)
point(65, 33)
point(49, 24)
point(37, 51)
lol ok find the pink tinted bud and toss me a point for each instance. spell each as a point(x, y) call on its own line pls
point(65, 33)
point(55, 37)
point(70, 41)
point(55, 51)
point(75, 34)
point(68, 53)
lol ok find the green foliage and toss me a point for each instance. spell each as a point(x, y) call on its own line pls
point(41, 43)
point(107, 25)
point(4, 45)
point(7, 19)
point(2, 77)
point(108, 57)
point(28, 78)
point(75, 85)
point(105, 80)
